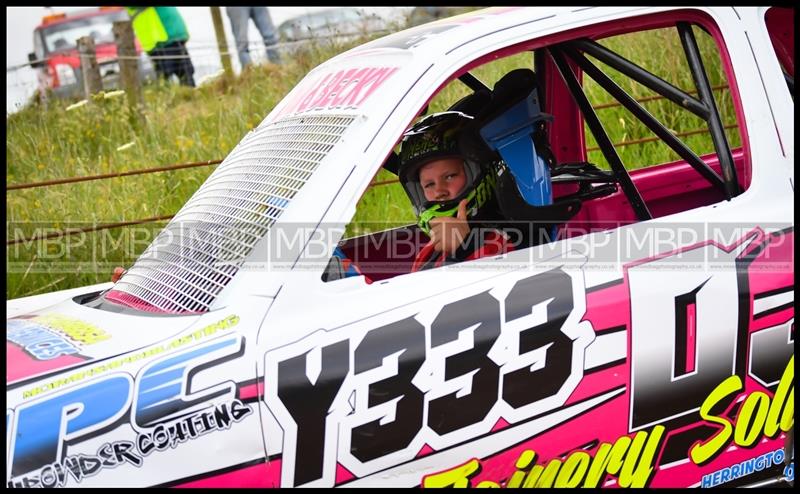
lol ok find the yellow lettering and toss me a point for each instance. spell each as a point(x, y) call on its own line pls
point(785, 387)
point(758, 402)
point(574, 469)
point(787, 419)
point(546, 478)
point(633, 458)
point(153, 351)
point(617, 456)
point(455, 477)
point(638, 467)
point(597, 470)
point(523, 462)
point(75, 329)
point(533, 476)
point(98, 370)
point(31, 393)
point(702, 451)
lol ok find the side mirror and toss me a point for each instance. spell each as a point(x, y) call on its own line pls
point(35, 63)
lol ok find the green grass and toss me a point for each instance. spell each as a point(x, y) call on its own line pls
point(187, 125)
point(181, 125)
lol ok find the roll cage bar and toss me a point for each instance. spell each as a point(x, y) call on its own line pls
point(705, 108)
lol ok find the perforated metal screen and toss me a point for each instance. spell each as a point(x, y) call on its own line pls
point(205, 244)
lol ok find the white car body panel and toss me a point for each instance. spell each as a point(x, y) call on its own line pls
point(276, 315)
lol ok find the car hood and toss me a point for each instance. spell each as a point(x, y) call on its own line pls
point(69, 335)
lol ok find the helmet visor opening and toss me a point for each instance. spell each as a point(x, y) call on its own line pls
point(442, 179)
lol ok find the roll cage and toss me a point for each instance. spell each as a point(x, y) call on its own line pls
point(568, 54)
point(611, 197)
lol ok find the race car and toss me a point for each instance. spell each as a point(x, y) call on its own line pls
point(648, 342)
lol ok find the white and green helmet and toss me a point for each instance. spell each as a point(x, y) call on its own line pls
point(442, 135)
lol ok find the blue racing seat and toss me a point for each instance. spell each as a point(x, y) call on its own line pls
point(514, 127)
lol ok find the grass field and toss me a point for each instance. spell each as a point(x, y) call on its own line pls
point(199, 124)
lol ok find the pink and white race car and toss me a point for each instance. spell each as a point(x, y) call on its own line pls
point(649, 343)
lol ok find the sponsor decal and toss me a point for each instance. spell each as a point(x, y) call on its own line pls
point(160, 438)
point(50, 336)
point(346, 88)
point(748, 467)
point(432, 383)
point(757, 416)
point(631, 459)
point(635, 461)
point(79, 331)
point(39, 341)
point(333, 394)
point(162, 404)
point(83, 374)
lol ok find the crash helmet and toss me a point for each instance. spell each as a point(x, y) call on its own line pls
point(439, 136)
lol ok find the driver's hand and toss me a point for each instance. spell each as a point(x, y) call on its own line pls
point(447, 233)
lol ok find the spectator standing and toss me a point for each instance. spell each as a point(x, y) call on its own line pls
point(163, 35)
point(240, 17)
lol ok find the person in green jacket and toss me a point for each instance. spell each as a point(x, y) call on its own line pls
point(163, 35)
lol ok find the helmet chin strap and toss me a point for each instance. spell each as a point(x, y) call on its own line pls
point(445, 209)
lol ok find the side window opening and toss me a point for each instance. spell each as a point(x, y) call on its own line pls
point(676, 116)
point(637, 145)
point(718, 176)
point(384, 205)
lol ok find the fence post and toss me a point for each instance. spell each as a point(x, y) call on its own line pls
point(222, 42)
point(92, 83)
point(129, 66)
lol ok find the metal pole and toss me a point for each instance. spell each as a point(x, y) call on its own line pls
point(642, 76)
point(648, 119)
point(707, 97)
point(600, 135)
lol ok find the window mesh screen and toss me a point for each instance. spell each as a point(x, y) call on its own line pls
point(205, 244)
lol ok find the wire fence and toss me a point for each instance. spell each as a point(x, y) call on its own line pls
point(72, 180)
point(179, 166)
point(213, 48)
point(22, 80)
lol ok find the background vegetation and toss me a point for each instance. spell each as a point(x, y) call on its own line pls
point(48, 141)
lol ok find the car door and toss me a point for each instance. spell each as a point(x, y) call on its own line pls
point(662, 312)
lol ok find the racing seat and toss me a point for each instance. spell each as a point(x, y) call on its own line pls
point(512, 126)
point(474, 104)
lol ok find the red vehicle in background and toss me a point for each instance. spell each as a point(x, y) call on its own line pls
point(55, 51)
